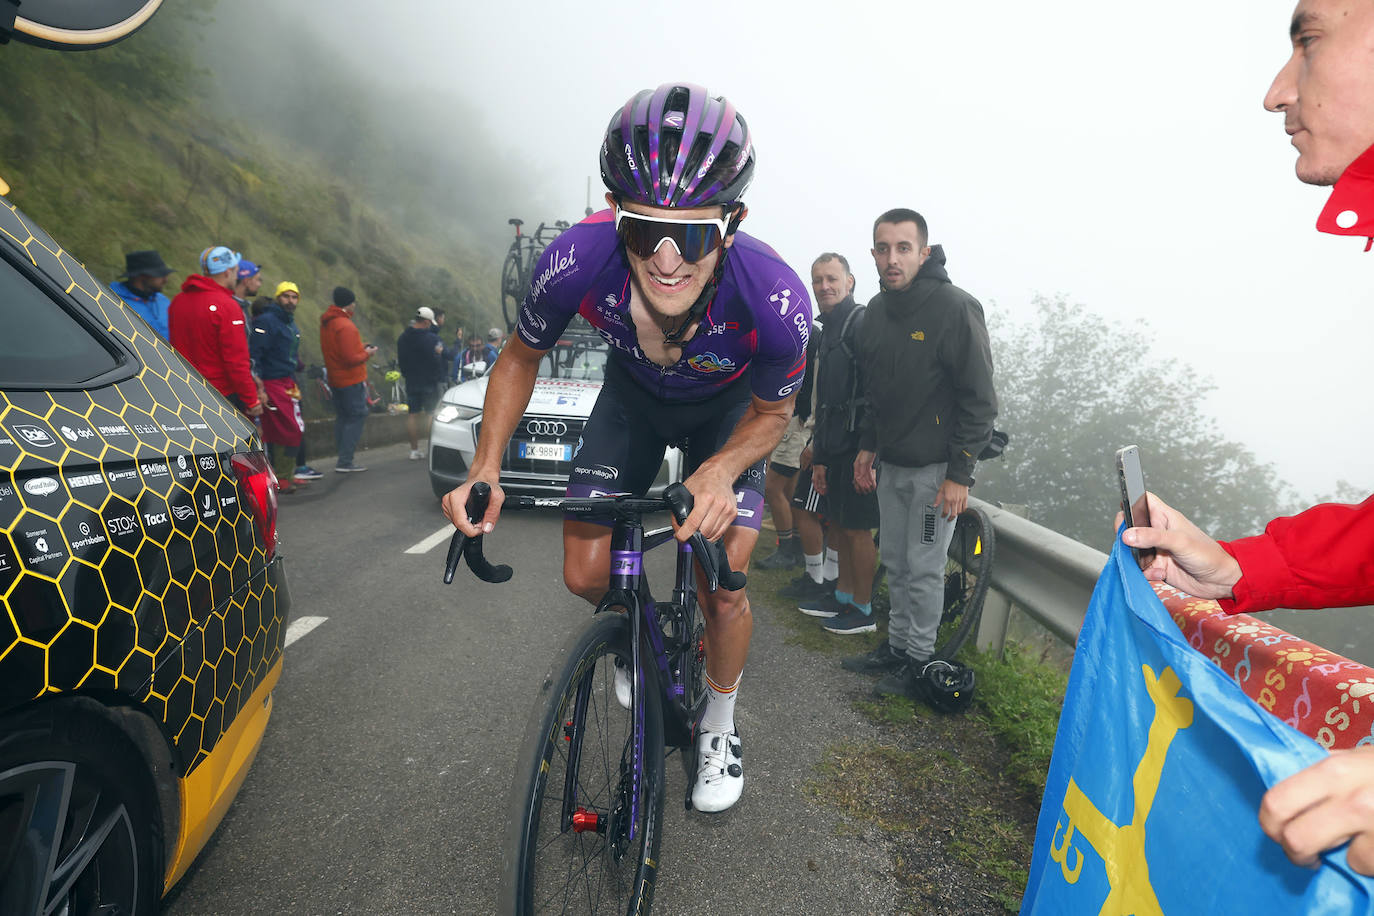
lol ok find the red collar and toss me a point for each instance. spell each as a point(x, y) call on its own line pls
point(1350, 209)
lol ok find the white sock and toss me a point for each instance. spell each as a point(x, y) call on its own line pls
point(720, 706)
point(813, 567)
point(832, 563)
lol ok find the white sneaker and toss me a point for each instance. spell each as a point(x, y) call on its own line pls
point(416, 454)
point(624, 690)
point(720, 773)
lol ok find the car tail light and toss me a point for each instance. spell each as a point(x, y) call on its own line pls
point(258, 482)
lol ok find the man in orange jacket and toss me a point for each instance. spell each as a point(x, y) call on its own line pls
point(206, 327)
point(345, 361)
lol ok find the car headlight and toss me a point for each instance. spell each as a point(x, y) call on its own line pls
point(451, 413)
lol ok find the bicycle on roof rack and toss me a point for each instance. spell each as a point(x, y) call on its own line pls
point(586, 820)
point(518, 270)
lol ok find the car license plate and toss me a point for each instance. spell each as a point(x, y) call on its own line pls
point(546, 451)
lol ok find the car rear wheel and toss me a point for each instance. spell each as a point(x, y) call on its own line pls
point(80, 832)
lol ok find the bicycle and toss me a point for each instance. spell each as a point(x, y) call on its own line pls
point(518, 268)
point(589, 783)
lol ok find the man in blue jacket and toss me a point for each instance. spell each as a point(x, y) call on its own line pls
point(275, 347)
point(145, 274)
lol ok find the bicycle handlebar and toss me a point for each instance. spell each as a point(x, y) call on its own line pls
point(710, 555)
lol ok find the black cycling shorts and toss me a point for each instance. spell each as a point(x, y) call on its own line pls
point(622, 445)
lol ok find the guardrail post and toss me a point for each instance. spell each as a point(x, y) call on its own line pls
point(996, 619)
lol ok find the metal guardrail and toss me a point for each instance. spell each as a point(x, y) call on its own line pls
point(1048, 575)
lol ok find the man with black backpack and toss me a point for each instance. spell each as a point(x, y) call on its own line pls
point(834, 445)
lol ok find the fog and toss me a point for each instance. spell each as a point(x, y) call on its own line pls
point(1116, 154)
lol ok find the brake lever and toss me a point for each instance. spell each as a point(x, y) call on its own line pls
point(462, 546)
point(711, 555)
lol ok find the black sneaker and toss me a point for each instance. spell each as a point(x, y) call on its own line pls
point(804, 586)
point(880, 661)
point(786, 556)
point(852, 620)
point(902, 681)
point(826, 605)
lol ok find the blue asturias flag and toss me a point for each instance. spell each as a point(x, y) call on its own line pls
point(1158, 770)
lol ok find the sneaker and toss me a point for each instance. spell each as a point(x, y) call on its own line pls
point(416, 454)
point(901, 682)
point(787, 556)
point(720, 774)
point(822, 606)
point(624, 690)
point(804, 586)
point(306, 472)
point(349, 468)
point(880, 661)
point(851, 621)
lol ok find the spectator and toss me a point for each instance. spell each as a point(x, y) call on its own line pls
point(145, 274)
point(419, 355)
point(345, 360)
point(496, 339)
point(780, 480)
point(247, 283)
point(276, 345)
point(476, 359)
point(1323, 557)
point(927, 377)
point(207, 328)
point(447, 353)
point(840, 410)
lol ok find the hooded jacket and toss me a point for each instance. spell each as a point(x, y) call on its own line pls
point(926, 369)
point(342, 348)
point(419, 356)
point(206, 326)
point(840, 405)
point(276, 343)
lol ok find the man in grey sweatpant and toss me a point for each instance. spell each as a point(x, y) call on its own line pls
point(927, 376)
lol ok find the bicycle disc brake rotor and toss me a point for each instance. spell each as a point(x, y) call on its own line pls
point(619, 822)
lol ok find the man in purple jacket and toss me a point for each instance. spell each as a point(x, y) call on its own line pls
point(708, 330)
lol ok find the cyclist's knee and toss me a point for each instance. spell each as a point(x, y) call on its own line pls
point(584, 582)
point(724, 606)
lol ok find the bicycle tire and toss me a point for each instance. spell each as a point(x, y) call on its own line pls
point(545, 866)
point(967, 576)
point(514, 284)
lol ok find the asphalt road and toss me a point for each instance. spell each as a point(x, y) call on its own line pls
point(381, 786)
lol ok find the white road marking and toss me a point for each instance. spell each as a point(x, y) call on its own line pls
point(434, 540)
point(301, 626)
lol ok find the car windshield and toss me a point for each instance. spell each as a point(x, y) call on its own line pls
point(579, 358)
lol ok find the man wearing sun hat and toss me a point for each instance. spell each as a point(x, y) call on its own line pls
point(207, 327)
point(276, 343)
point(145, 274)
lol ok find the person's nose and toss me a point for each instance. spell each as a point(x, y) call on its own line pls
point(666, 259)
point(1283, 92)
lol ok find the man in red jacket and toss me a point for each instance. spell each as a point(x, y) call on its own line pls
point(206, 326)
point(345, 362)
point(1323, 557)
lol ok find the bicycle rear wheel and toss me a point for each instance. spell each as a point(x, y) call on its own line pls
point(514, 285)
point(578, 842)
point(967, 576)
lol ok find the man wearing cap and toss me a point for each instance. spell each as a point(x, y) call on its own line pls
point(206, 326)
point(246, 286)
point(466, 365)
point(345, 361)
point(145, 274)
point(419, 355)
point(496, 339)
point(275, 347)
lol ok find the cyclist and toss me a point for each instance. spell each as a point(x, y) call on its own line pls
point(708, 330)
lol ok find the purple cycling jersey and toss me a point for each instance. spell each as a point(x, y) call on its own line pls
point(759, 320)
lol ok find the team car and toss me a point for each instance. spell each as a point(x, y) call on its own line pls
point(142, 598)
point(539, 456)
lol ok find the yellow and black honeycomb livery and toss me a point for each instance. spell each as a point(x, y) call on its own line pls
point(129, 565)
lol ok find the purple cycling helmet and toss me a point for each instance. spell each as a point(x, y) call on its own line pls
point(676, 146)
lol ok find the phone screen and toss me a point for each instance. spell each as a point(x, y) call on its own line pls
point(1133, 503)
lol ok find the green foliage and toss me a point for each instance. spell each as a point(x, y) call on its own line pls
point(1073, 387)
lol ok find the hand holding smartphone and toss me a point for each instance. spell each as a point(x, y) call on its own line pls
point(1133, 503)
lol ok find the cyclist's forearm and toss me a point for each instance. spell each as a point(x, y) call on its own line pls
point(758, 432)
point(509, 387)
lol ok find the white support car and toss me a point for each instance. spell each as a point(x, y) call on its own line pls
point(539, 456)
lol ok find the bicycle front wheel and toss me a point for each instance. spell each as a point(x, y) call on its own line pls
point(579, 840)
point(967, 576)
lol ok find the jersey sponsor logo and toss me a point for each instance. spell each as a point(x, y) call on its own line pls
point(558, 263)
point(535, 320)
point(803, 327)
point(604, 471)
point(782, 300)
point(722, 328)
point(40, 486)
point(710, 362)
point(788, 389)
point(33, 435)
point(744, 513)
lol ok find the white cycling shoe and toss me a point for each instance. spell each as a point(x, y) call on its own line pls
point(720, 771)
point(624, 690)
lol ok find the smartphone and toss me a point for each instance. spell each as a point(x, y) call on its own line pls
point(1133, 503)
